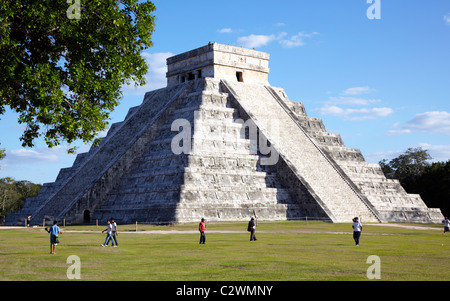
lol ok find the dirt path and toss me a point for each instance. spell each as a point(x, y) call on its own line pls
point(407, 226)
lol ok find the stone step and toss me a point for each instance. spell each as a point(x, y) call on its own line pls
point(200, 138)
point(205, 145)
point(253, 196)
point(141, 195)
point(206, 108)
point(327, 139)
point(379, 184)
point(137, 205)
point(343, 153)
point(214, 98)
point(408, 200)
point(226, 160)
point(206, 124)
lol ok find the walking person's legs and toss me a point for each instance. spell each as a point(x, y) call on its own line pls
point(107, 240)
point(110, 238)
point(202, 237)
point(115, 238)
point(356, 235)
point(53, 244)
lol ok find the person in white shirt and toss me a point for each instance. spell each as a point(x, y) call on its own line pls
point(114, 231)
point(357, 228)
point(108, 235)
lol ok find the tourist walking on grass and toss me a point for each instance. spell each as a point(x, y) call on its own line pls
point(201, 228)
point(54, 233)
point(357, 228)
point(114, 231)
point(252, 228)
point(108, 235)
point(446, 225)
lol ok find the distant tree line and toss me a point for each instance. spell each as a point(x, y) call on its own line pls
point(13, 194)
point(417, 175)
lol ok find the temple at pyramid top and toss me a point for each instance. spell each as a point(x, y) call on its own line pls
point(219, 61)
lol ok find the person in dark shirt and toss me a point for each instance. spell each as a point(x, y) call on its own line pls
point(252, 228)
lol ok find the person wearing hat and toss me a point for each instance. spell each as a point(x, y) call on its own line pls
point(252, 228)
point(201, 228)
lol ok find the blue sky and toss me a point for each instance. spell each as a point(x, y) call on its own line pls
point(383, 84)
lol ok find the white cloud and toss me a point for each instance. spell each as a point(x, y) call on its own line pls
point(356, 101)
point(375, 112)
point(27, 154)
point(354, 114)
point(447, 19)
point(255, 41)
point(431, 122)
point(349, 97)
point(330, 110)
point(297, 40)
point(344, 106)
point(225, 30)
point(24, 156)
point(294, 41)
point(156, 76)
point(358, 90)
point(398, 132)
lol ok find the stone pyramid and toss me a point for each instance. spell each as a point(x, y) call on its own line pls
point(220, 143)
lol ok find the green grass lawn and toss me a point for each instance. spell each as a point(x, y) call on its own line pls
point(287, 251)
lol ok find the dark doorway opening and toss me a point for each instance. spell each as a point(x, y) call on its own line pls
point(239, 77)
point(87, 217)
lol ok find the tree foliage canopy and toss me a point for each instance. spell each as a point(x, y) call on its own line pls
point(64, 76)
point(410, 164)
point(13, 194)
